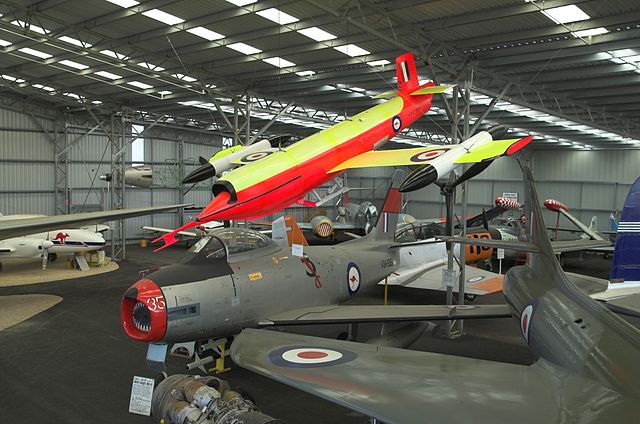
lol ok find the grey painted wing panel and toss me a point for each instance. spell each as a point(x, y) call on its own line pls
point(524, 246)
point(20, 227)
point(478, 281)
point(403, 386)
point(575, 245)
point(346, 314)
point(627, 305)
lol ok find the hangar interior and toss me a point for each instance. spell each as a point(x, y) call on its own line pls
point(91, 88)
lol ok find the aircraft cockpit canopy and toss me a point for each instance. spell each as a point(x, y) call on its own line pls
point(228, 243)
point(416, 231)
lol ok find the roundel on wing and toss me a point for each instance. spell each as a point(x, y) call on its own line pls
point(252, 157)
point(309, 356)
point(353, 278)
point(525, 321)
point(427, 155)
point(396, 123)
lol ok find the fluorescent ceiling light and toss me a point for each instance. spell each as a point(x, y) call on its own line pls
point(34, 52)
point(590, 32)
point(108, 75)
point(14, 79)
point(205, 33)
point(244, 48)
point(72, 64)
point(74, 41)
point(242, 2)
point(44, 87)
point(34, 28)
point(140, 85)
point(165, 92)
point(306, 73)
point(164, 17)
point(151, 66)
point(74, 95)
point(96, 102)
point(210, 85)
point(279, 62)
point(566, 14)
point(635, 58)
point(358, 89)
point(317, 34)
point(381, 62)
point(114, 55)
point(352, 50)
point(124, 3)
point(184, 77)
point(277, 16)
point(5, 43)
point(618, 60)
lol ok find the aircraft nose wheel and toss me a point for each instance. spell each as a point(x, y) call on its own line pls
point(53, 257)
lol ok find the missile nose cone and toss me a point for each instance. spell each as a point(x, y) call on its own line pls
point(419, 178)
point(201, 173)
point(221, 201)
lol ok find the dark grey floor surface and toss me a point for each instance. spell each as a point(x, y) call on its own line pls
point(74, 364)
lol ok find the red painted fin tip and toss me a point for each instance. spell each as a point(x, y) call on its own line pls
point(518, 145)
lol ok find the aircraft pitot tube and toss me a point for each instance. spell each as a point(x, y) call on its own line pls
point(189, 399)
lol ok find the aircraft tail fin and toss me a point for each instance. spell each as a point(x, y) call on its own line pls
point(625, 266)
point(285, 232)
point(387, 223)
point(406, 73)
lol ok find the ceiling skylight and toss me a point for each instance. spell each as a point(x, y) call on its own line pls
point(205, 33)
point(34, 28)
point(34, 52)
point(72, 64)
point(566, 14)
point(306, 73)
point(244, 48)
point(277, 16)
point(317, 34)
point(114, 55)
point(381, 62)
point(352, 50)
point(242, 2)
point(140, 85)
point(183, 77)
point(164, 17)
point(591, 32)
point(151, 66)
point(108, 75)
point(74, 41)
point(124, 3)
point(5, 43)
point(279, 62)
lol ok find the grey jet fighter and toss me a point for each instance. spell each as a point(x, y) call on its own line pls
point(586, 372)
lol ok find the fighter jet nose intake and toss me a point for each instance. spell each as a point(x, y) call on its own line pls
point(144, 312)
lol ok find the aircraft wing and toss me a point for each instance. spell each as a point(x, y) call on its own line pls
point(397, 157)
point(403, 386)
point(478, 281)
point(20, 227)
point(336, 314)
point(167, 230)
point(558, 246)
point(623, 297)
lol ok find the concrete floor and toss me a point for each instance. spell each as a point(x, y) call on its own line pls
point(73, 363)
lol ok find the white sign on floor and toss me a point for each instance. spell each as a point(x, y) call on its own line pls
point(141, 393)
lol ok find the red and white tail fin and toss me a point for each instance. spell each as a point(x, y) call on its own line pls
point(406, 73)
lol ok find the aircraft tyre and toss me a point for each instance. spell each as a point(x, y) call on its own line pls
point(52, 257)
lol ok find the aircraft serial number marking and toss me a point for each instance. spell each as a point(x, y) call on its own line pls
point(387, 263)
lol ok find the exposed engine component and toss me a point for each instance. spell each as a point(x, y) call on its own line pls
point(364, 215)
point(322, 226)
point(189, 399)
point(137, 176)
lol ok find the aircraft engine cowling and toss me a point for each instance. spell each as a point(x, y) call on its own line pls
point(322, 226)
point(29, 247)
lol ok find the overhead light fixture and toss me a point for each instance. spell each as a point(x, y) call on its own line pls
point(244, 48)
point(114, 55)
point(277, 16)
point(358, 89)
point(242, 2)
point(124, 3)
point(140, 85)
point(306, 73)
point(317, 34)
point(73, 95)
point(74, 41)
point(164, 17)
point(165, 92)
point(108, 75)
point(591, 32)
point(205, 33)
point(34, 52)
point(30, 27)
point(381, 62)
point(352, 50)
point(72, 64)
point(96, 102)
point(635, 58)
point(13, 79)
point(44, 87)
point(5, 43)
point(566, 14)
point(184, 77)
point(279, 62)
point(151, 66)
